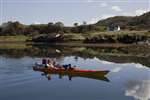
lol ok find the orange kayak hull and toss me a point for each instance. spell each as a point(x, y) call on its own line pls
point(72, 72)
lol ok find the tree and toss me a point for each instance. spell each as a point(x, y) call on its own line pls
point(50, 23)
point(60, 24)
point(75, 24)
point(34, 34)
point(13, 28)
point(84, 23)
point(0, 29)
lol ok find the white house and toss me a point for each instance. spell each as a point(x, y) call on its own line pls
point(113, 28)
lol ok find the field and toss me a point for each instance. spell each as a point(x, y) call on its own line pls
point(19, 38)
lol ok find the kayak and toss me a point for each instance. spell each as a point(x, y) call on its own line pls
point(72, 72)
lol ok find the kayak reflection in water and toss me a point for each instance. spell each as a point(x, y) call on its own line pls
point(48, 76)
point(70, 76)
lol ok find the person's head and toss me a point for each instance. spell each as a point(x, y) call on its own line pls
point(49, 61)
point(69, 65)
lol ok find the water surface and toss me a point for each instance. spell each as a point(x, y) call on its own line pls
point(129, 79)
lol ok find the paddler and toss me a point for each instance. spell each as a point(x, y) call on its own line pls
point(44, 62)
point(50, 63)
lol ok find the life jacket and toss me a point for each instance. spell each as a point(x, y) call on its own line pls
point(44, 61)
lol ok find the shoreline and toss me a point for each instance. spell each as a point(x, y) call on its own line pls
point(76, 44)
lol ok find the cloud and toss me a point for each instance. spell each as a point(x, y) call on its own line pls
point(116, 69)
point(94, 20)
point(104, 16)
point(89, 1)
point(127, 14)
point(106, 62)
point(139, 66)
point(140, 11)
point(136, 12)
point(138, 89)
point(103, 4)
point(36, 22)
point(116, 8)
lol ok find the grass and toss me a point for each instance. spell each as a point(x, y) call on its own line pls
point(74, 36)
point(82, 36)
point(77, 36)
point(19, 38)
point(14, 46)
point(115, 33)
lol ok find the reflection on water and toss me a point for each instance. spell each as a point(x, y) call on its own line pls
point(97, 76)
point(140, 90)
point(129, 54)
point(129, 77)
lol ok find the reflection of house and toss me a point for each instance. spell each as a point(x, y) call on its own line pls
point(148, 41)
point(113, 28)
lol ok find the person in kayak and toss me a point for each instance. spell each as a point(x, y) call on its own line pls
point(47, 63)
point(50, 63)
point(66, 67)
point(44, 62)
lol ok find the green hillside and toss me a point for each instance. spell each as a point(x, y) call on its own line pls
point(142, 21)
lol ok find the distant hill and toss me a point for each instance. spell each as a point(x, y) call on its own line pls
point(142, 21)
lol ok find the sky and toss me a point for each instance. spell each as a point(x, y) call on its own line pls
point(68, 11)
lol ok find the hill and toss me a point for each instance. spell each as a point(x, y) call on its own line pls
point(142, 21)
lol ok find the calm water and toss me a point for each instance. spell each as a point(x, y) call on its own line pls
point(129, 80)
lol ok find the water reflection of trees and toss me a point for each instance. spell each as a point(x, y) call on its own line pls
point(119, 55)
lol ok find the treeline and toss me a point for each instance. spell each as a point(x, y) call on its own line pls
point(16, 28)
point(130, 23)
point(57, 32)
point(120, 38)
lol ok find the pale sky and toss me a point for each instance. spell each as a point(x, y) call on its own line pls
point(68, 11)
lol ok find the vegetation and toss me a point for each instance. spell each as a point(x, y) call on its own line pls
point(18, 38)
point(126, 54)
point(127, 22)
point(119, 37)
point(92, 33)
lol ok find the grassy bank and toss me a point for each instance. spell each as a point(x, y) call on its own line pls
point(18, 38)
point(124, 37)
point(124, 32)
point(90, 37)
